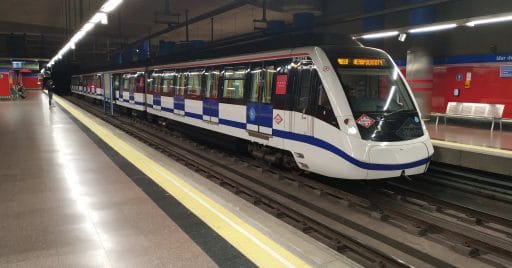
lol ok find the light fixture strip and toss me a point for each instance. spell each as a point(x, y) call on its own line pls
point(100, 16)
point(380, 35)
point(433, 28)
point(490, 20)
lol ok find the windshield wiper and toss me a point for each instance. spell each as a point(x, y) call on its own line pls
point(398, 111)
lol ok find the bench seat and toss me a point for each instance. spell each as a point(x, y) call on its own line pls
point(493, 112)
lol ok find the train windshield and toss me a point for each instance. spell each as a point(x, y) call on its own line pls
point(381, 104)
point(375, 90)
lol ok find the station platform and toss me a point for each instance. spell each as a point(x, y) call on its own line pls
point(472, 147)
point(74, 192)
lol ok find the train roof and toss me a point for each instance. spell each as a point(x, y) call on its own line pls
point(241, 46)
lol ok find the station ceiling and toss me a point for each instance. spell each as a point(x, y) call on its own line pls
point(38, 29)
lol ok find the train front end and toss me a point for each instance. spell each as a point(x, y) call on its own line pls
point(384, 130)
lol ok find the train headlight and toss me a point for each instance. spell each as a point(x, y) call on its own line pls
point(349, 126)
point(352, 130)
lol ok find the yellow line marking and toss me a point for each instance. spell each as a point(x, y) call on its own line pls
point(473, 148)
point(259, 248)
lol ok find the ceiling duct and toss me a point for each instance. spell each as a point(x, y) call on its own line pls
point(296, 6)
point(167, 17)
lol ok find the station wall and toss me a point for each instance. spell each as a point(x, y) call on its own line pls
point(486, 87)
point(4, 83)
point(30, 81)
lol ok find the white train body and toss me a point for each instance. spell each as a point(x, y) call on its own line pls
point(329, 140)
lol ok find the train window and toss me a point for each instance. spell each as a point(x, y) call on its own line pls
point(155, 83)
point(324, 110)
point(194, 84)
point(126, 83)
point(304, 89)
point(117, 82)
point(131, 84)
point(212, 84)
point(234, 80)
point(139, 83)
point(98, 82)
point(181, 84)
point(283, 93)
point(168, 83)
point(256, 84)
point(270, 74)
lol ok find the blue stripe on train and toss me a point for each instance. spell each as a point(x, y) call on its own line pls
point(337, 151)
point(194, 115)
point(232, 123)
point(318, 143)
point(179, 103)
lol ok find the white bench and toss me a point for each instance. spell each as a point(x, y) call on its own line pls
point(492, 112)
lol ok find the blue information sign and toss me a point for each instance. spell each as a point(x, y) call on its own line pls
point(506, 71)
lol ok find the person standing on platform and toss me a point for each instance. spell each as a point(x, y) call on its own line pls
point(50, 87)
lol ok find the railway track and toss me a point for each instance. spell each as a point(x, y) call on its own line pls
point(384, 224)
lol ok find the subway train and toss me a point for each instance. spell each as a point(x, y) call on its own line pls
point(339, 111)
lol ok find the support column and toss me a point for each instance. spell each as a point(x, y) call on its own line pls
point(419, 73)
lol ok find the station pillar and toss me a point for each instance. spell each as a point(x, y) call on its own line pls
point(419, 74)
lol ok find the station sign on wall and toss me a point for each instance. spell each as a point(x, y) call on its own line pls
point(506, 71)
point(18, 65)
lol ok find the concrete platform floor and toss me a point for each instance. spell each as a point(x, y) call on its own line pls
point(64, 203)
point(471, 135)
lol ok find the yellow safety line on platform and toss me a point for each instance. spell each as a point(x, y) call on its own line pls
point(473, 148)
point(259, 248)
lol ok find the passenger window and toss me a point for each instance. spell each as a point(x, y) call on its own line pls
point(139, 83)
point(194, 84)
point(117, 82)
point(324, 110)
point(234, 80)
point(212, 84)
point(151, 83)
point(126, 83)
point(256, 84)
point(283, 89)
point(168, 83)
point(270, 74)
point(131, 85)
point(157, 86)
point(304, 89)
point(181, 84)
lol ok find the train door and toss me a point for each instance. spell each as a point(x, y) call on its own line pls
point(131, 95)
point(302, 121)
point(125, 87)
point(179, 96)
point(211, 96)
point(156, 87)
point(259, 105)
point(116, 86)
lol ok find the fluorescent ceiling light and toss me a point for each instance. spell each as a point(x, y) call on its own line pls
point(433, 28)
point(491, 20)
point(380, 35)
point(104, 19)
point(78, 36)
point(110, 5)
point(88, 26)
point(98, 17)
